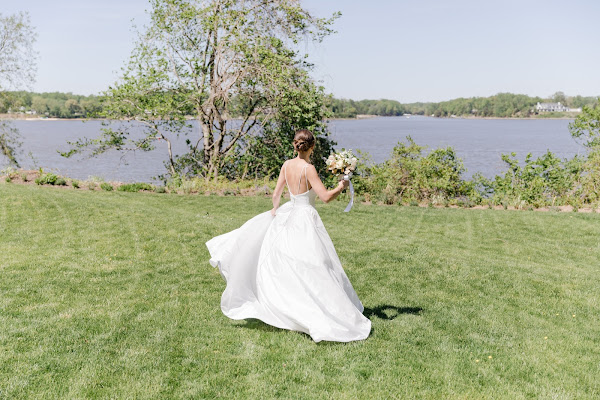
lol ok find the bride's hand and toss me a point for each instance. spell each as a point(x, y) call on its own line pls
point(343, 184)
point(273, 211)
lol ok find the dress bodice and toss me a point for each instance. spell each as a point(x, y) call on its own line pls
point(304, 199)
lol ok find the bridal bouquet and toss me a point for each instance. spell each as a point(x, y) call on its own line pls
point(343, 163)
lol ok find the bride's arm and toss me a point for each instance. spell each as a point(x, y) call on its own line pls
point(320, 189)
point(278, 190)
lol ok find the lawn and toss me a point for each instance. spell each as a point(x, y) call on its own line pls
point(110, 295)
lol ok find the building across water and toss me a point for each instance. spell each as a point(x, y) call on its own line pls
point(554, 107)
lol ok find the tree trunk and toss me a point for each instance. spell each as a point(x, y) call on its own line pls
point(207, 142)
point(171, 161)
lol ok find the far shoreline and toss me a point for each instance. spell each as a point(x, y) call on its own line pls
point(4, 117)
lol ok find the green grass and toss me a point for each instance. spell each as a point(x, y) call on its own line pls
point(110, 295)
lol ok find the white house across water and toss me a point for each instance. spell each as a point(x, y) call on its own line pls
point(556, 107)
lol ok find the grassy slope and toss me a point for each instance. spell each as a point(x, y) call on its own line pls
point(111, 295)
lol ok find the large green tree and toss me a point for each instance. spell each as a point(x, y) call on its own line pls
point(234, 65)
point(17, 68)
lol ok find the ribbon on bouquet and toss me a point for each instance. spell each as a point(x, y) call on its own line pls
point(351, 203)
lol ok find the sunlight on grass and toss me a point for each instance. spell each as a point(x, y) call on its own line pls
point(110, 294)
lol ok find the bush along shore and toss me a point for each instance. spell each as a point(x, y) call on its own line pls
point(221, 187)
point(436, 179)
point(44, 178)
point(411, 177)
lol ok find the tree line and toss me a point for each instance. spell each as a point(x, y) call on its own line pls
point(501, 105)
point(68, 105)
point(53, 104)
point(345, 108)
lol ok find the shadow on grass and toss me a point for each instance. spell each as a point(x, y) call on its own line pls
point(257, 324)
point(389, 312)
point(385, 311)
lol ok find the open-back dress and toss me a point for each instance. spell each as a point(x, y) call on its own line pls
point(285, 271)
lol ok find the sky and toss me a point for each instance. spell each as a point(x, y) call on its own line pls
point(427, 50)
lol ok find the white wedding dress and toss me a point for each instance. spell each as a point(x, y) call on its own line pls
point(284, 271)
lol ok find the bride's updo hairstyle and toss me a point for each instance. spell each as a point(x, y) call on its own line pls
point(304, 140)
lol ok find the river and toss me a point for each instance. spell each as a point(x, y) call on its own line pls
point(479, 142)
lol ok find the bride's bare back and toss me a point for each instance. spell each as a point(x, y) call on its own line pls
point(301, 176)
point(296, 175)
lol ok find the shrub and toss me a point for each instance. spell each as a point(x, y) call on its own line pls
point(47, 179)
point(388, 195)
point(10, 172)
point(410, 176)
point(135, 187)
point(60, 182)
point(160, 189)
point(588, 186)
point(221, 185)
point(544, 181)
point(106, 186)
point(75, 184)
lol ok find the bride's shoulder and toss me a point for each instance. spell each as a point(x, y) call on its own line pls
point(311, 169)
point(297, 164)
point(291, 163)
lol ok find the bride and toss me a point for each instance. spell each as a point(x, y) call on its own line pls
point(281, 266)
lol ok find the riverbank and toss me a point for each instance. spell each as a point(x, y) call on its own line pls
point(248, 188)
